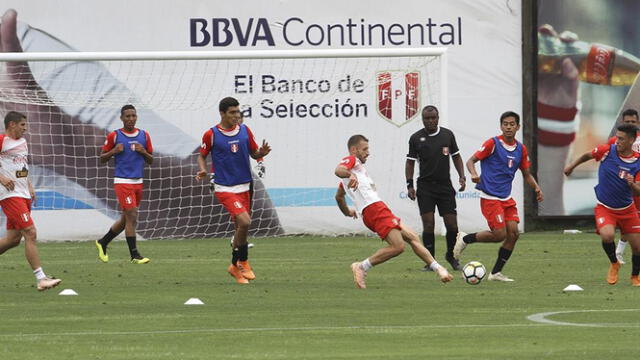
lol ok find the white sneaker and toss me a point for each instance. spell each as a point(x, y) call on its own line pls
point(460, 245)
point(499, 277)
point(620, 258)
point(48, 283)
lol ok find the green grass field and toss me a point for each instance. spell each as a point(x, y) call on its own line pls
point(304, 304)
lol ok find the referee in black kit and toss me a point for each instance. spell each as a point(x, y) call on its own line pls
point(432, 146)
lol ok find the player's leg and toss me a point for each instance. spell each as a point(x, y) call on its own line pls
point(238, 206)
point(505, 251)
point(410, 237)
point(634, 241)
point(606, 227)
point(114, 230)
point(493, 212)
point(10, 240)
point(427, 206)
point(451, 225)
point(33, 257)
point(394, 248)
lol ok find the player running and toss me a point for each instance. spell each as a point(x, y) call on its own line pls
point(17, 194)
point(500, 158)
point(617, 175)
point(357, 184)
point(231, 144)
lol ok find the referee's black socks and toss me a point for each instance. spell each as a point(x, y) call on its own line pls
point(429, 241)
point(451, 241)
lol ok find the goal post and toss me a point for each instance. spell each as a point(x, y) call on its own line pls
point(305, 103)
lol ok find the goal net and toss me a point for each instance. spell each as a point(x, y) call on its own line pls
point(305, 103)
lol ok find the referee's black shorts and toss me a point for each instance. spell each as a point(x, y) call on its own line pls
point(434, 193)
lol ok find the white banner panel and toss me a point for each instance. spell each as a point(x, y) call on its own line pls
point(307, 126)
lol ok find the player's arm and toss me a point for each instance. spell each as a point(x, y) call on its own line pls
point(255, 151)
point(471, 166)
point(202, 165)
point(581, 159)
point(342, 203)
point(110, 148)
point(531, 181)
point(146, 152)
point(205, 148)
point(7, 183)
point(344, 173)
point(32, 193)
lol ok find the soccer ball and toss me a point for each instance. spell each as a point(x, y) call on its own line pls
point(473, 272)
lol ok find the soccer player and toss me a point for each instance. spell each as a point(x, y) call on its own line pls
point(357, 184)
point(500, 157)
point(432, 146)
point(617, 175)
point(17, 194)
point(131, 148)
point(629, 116)
point(231, 144)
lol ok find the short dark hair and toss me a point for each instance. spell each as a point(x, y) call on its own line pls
point(13, 116)
point(629, 129)
point(355, 140)
point(431, 107)
point(512, 114)
point(126, 107)
point(226, 103)
point(630, 112)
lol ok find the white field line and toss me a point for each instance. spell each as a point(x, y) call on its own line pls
point(542, 318)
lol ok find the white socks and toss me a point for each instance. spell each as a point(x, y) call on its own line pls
point(621, 246)
point(434, 265)
point(366, 265)
point(39, 273)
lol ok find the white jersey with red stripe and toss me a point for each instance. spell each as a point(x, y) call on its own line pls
point(13, 165)
point(366, 193)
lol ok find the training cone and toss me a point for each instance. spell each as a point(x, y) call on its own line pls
point(194, 301)
point(68, 292)
point(573, 287)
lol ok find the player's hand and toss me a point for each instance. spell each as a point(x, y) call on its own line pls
point(463, 183)
point(630, 179)
point(353, 214)
point(568, 170)
point(139, 148)
point(261, 170)
point(34, 198)
point(539, 195)
point(119, 148)
point(411, 193)
point(475, 179)
point(353, 182)
point(7, 183)
point(264, 149)
point(444, 275)
point(201, 175)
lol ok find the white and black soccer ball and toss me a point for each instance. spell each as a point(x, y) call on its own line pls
point(474, 272)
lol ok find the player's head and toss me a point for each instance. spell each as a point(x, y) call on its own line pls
point(430, 117)
point(509, 124)
point(129, 116)
point(15, 124)
point(630, 116)
point(229, 111)
point(625, 136)
point(359, 147)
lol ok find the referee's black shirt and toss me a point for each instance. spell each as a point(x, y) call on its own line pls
point(433, 152)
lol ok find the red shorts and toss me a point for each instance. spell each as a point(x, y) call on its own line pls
point(18, 212)
point(626, 219)
point(235, 203)
point(129, 195)
point(498, 212)
point(380, 219)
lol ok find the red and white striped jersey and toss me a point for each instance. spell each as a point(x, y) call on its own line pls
point(13, 164)
point(366, 193)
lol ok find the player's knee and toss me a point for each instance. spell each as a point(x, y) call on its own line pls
point(30, 234)
point(243, 222)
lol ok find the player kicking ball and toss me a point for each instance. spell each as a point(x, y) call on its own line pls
point(357, 184)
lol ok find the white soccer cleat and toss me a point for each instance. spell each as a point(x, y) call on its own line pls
point(460, 245)
point(47, 283)
point(620, 257)
point(499, 277)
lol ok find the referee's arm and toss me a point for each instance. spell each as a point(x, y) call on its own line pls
point(408, 173)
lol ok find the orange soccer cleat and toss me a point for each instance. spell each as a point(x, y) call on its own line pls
point(635, 280)
point(612, 275)
point(246, 270)
point(237, 274)
point(358, 275)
